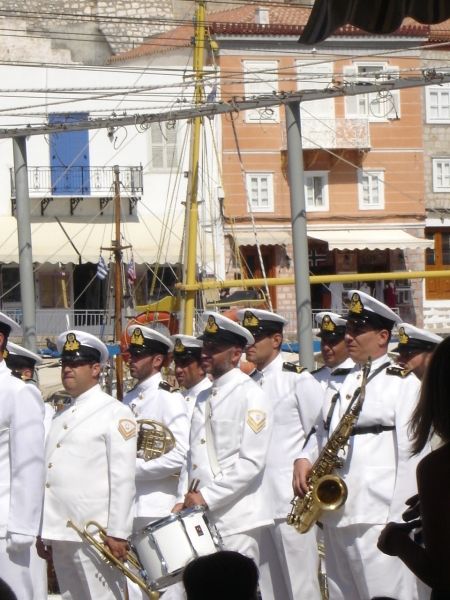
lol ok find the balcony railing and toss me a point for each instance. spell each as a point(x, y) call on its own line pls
point(333, 133)
point(79, 181)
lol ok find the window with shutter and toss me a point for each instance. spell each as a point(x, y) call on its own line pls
point(441, 175)
point(437, 104)
point(261, 79)
point(375, 106)
point(371, 190)
point(260, 192)
point(316, 191)
point(163, 141)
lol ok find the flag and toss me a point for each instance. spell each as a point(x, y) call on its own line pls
point(102, 268)
point(131, 272)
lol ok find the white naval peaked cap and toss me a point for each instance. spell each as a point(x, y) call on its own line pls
point(219, 328)
point(8, 326)
point(365, 307)
point(330, 324)
point(75, 345)
point(257, 320)
point(410, 336)
point(145, 340)
point(186, 344)
point(14, 350)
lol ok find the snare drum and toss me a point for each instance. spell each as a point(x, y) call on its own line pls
point(164, 547)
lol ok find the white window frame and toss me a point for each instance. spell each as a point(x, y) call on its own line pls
point(169, 162)
point(363, 106)
point(379, 173)
point(323, 175)
point(257, 83)
point(260, 176)
point(443, 109)
point(439, 184)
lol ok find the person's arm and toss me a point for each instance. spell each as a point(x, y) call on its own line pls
point(430, 564)
point(121, 452)
point(176, 418)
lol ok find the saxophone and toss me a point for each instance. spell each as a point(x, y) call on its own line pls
point(327, 491)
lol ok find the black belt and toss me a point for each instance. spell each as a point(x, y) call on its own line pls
point(372, 429)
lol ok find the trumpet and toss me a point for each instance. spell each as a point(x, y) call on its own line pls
point(154, 439)
point(132, 572)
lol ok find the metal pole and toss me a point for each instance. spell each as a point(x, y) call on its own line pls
point(117, 284)
point(24, 243)
point(299, 234)
point(192, 201)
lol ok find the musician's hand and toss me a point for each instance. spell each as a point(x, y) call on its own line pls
point(118, 547)
point(194, 499)
point(393, 537)
point(178, 507)
point(43, 550)
point(413, 512)
point(302, 471)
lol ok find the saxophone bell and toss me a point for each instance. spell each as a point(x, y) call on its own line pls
point(330, 492)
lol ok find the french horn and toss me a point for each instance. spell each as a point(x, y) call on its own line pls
point(154, 439)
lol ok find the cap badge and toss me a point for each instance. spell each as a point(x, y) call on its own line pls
point(72, 344)
point(403, 338)
point(5, 353)
point(250, 320)
point(328, 324)
point(137, 338)
point(179, 347)
point(356, 306)
point(211, 325)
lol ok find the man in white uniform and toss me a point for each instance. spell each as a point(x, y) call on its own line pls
point(336, 362)
point(415, 347)
point(189, 372)
point(21, 471)
point(153, 398)
point(230, 435)
point(377, 466)
point(289, 562)
point(22, 363)
point(90, 463)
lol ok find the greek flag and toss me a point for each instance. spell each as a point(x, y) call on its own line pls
point(102, 268)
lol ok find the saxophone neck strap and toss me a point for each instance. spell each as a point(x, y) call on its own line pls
point(356, 393)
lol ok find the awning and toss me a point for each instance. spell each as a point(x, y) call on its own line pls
point(150, 241)
point(369, 239)
point(264, 237)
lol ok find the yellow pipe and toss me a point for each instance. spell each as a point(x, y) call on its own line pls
point(349, 277)
point(192, 203)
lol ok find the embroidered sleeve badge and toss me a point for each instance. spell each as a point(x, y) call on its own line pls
point(127, 428)
point(256, 420)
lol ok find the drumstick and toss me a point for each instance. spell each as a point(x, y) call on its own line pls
point(194, 485)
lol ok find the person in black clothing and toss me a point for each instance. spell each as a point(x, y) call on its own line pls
point(429, 562)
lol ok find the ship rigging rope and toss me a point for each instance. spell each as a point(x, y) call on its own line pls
point(250, 209)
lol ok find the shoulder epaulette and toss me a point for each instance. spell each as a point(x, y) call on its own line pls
point(341, 371)
point(318, 370)
point(398, 371)
point(167, 387)
point(293, 367)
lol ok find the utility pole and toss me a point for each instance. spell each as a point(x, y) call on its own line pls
point(27, 291)
point(299, 234)
point(191, 220)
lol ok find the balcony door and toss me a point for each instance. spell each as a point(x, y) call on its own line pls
point(437, 260)
point(69, 157)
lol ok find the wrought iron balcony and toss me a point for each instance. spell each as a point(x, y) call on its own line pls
point(336, 133)
point(80, 181)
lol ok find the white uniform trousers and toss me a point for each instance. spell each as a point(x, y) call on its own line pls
point(289, 563)
point(15, 571)
point(246, 543)
point(83, 575)
point(357, 570)
point(38, 571)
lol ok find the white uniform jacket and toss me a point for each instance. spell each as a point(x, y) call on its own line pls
point(378, 468)
point(190, 395)
point(240, 419)
point(157, 479)
point(296, 404)
point(21, 455)
point(90, 464)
